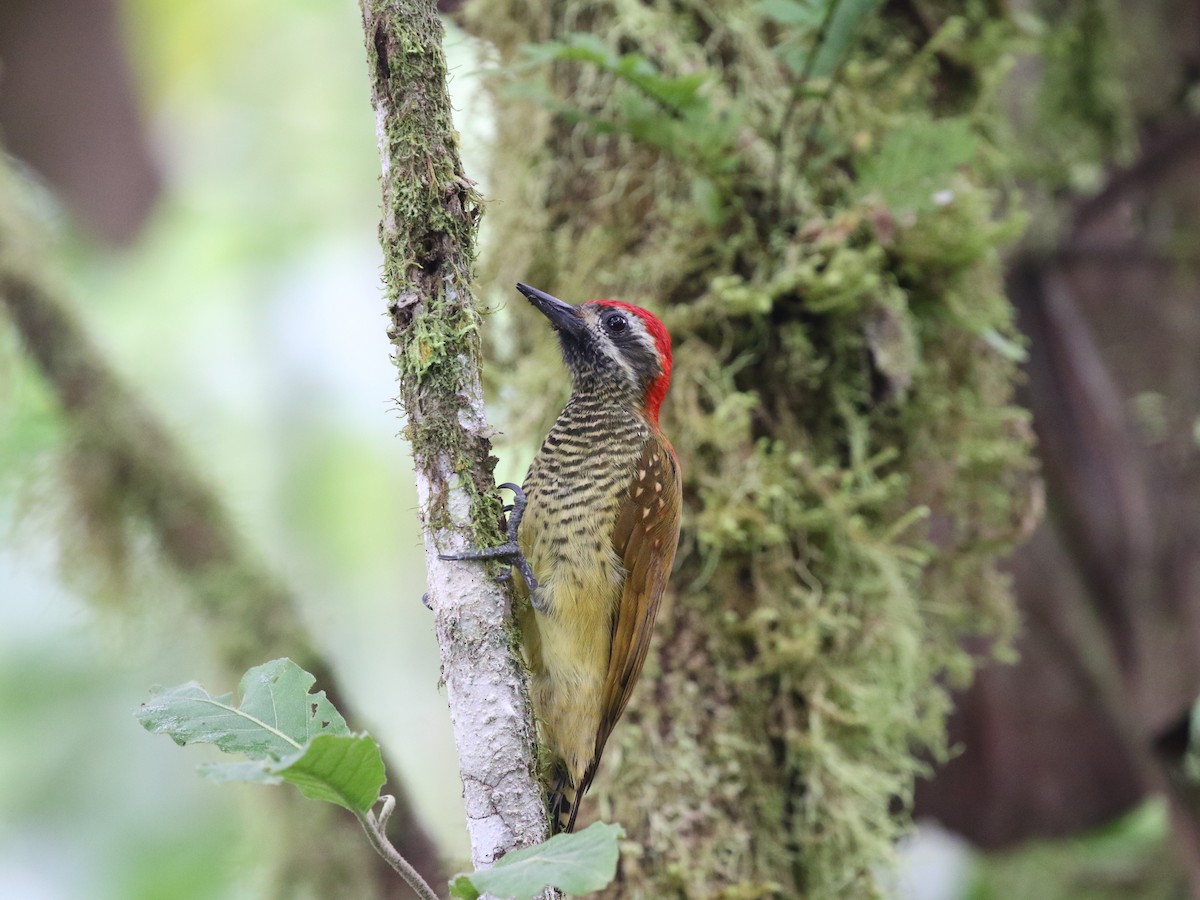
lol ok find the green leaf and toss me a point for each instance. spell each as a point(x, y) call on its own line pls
point(819, 33)
point(839, 35)
point(916, 161)
point(677, 94)
point(574, 863)
point(256, 770)
point(580, 46)
point(802, 13)
point(343, 769)
point(289, 734)
point(277, 715)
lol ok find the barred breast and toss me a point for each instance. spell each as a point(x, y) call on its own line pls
point(574, 486)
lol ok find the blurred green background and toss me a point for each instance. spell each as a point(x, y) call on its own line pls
point(249, 315)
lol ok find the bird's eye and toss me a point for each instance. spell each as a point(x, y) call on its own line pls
point(616, 323)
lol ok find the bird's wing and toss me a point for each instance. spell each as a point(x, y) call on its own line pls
point(645, 537)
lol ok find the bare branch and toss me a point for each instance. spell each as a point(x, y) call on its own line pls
point(374, 827)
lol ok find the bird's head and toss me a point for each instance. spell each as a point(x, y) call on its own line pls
point(611, 346)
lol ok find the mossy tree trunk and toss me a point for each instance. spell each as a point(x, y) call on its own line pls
point(430, 215)
point(811, 200)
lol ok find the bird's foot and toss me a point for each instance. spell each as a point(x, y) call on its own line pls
point(515, 511)
point(510, 550)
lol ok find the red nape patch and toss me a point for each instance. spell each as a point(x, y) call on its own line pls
point(662, 341)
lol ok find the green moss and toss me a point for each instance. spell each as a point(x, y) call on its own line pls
point(428, 230)
point(841, 405)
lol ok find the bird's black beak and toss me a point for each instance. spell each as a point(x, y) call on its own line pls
point(563, 316)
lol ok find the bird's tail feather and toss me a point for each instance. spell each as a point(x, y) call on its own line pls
point(565, 800)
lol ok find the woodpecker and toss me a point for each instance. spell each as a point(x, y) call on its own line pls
point(593, 534)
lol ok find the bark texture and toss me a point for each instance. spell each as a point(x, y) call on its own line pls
point(430, 210)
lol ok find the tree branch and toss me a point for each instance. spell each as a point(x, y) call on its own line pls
point(430, 212)
point(374, 827)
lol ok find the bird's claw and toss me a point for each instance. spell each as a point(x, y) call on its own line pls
point(510, 550)
point(515, 510)
point(522, 565)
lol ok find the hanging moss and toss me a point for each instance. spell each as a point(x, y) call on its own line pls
point(818, 225)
